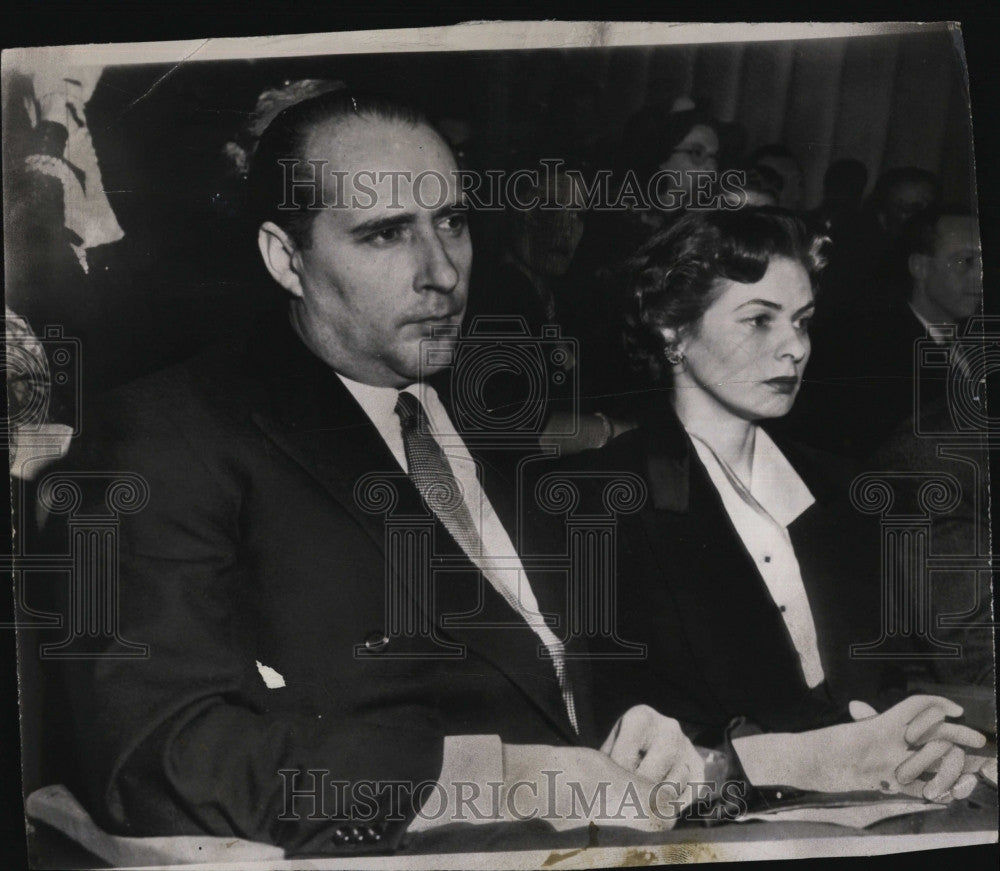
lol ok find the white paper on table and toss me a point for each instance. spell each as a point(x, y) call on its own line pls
point(856, 816)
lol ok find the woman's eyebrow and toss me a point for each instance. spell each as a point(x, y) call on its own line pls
point(775, 306)
point(764, 302)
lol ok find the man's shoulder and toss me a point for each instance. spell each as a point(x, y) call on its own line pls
point(197, 408)
point(199, 382)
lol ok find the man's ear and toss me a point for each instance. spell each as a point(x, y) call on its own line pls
point(281, 257)
point(917, 265)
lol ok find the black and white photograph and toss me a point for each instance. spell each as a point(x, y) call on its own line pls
point(521, 445)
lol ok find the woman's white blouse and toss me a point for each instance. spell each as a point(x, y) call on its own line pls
point(761, 515)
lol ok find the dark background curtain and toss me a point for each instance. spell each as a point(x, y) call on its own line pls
point(188, 270)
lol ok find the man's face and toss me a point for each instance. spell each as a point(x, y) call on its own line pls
point(791, 190)
point(952, 282)
point(904, 201)
point(390, 260)
point(545, 239)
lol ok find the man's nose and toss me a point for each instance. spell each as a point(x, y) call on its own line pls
point(437, 271)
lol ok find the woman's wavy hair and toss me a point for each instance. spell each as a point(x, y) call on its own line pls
point(673, 278)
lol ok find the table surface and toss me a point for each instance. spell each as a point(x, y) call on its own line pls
point(535, 845)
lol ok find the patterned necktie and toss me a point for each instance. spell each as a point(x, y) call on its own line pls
point(429, 470)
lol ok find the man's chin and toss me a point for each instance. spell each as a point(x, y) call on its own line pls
point(428, 356)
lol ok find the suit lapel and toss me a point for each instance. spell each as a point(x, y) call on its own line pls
point(310, 415)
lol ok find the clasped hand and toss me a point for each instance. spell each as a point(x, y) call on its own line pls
point(885, 752)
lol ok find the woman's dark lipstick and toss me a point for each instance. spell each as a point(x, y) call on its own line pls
point(784, 384)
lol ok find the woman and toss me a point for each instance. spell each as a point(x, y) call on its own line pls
point(738, 573)
point(678, 148)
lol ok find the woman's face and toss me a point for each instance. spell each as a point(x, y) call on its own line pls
point(747, 353)
point(699, 150)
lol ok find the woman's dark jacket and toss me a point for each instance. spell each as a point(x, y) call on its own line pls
point(716, 646)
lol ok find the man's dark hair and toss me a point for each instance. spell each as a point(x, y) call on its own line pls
point(920, 232)
point(286, 139)
point(764, 179)
point(673, 278)
point(845, 179)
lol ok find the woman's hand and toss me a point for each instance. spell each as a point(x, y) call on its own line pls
point(940, 750)
point(885, 752)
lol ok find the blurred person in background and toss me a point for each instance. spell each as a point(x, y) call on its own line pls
point(861, 382)
point(782, 160)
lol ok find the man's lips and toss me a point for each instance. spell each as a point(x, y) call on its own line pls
point(427, 326)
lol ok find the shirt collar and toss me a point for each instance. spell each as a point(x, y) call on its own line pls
point(776, 485)
point(940, 333)
point(379, 403)
point(775, 488)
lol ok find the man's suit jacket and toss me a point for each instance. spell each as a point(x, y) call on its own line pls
point(716, 645)
point(254, 548)
point(859, 385)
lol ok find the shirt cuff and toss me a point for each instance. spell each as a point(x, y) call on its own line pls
point(468, 787)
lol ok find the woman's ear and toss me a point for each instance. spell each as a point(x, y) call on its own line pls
point(281, 257)
point(671, 336)
point(673, 345)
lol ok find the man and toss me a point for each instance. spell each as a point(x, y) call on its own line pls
point(868, 265)
point(900, 194)
point(945, 266)
point(780, 159)
point(260, 574)
point(308, 674)
point(861, 381)
point(844, 184)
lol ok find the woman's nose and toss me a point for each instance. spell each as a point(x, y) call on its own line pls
point(794, 344)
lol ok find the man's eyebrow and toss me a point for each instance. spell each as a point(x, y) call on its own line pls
point(374, 225)
point(461, 205)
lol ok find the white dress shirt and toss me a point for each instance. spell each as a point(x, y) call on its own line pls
point(761, 514)
point(467, 758)
point(942, 334)
point(499, 561)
